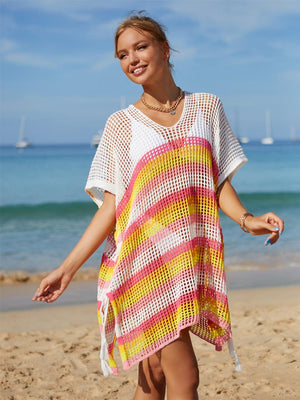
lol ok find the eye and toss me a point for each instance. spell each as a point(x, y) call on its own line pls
point(121, 56)
point(142, 47)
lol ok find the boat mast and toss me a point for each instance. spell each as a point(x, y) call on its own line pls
point(268, 124)
point(22, 128)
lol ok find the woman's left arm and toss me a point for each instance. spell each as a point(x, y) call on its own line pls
point(231, 205)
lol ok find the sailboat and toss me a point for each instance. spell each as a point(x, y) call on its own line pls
point(241, 139)
point(96, 138)
point(22, 142)
point(268, 139)
point(294, 137)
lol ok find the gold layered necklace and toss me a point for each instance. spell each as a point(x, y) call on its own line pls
point(170, 110)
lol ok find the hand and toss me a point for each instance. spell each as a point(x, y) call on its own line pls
point(265, 224)
point(53, 286)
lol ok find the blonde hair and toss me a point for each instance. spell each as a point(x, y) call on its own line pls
point(143, 23)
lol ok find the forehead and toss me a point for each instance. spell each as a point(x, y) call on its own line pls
point(131, 36)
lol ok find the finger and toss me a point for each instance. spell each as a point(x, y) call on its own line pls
point(276, 221)
point(278, 224)
point(42, 289)
point(271, 227)
point(272, 238)
point(50, 297)
point(37, 294)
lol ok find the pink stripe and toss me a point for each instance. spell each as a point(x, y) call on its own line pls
point(107, 261)
point(120, 341)
point(214, 294)
point(166, 312)
point(103, 284)
point(155, 293)
point(147, 244)
point(169, 174)
point(173, 335)
point(167, 339)
point(115, 370)
point(185, 193)
point(160, 150)
point(157, 263)
point(111, 348)
point(160, 316)
point(173, 227)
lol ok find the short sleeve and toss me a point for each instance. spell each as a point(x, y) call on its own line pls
point(227, 151)
point(102, 175)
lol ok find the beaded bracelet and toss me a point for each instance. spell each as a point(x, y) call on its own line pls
point(242, 221)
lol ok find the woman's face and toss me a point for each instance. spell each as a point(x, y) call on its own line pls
point(143, 59)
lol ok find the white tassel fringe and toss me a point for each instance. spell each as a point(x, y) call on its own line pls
point(104, 345)
point(232, 352)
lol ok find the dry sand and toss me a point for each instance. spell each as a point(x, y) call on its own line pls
point(52, 353)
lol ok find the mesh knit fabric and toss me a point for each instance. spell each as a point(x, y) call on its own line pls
point(162, 268)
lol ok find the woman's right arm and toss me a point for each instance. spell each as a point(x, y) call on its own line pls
point(101, 225)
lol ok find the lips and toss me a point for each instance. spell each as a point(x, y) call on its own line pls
point(138, 70)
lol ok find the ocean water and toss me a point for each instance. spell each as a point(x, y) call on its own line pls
point(44, 209)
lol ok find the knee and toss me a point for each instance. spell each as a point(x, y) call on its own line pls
point(151, 375)
point(188, 381)
point(194, 380)
point(155, 371)
point(191, 379)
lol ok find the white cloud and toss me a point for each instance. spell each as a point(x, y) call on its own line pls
point(31, 60)
point(107, 60)
point(104, 29)
point(6, 45)
point(287, 48)
point(11, 54)
point(7, 23)
point(218, 19)
point(291, 76)
point(228, 20)
point(81, 10)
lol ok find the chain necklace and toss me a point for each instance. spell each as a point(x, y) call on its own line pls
point(170, 110)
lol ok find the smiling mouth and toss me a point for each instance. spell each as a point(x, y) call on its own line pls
point(139, 70)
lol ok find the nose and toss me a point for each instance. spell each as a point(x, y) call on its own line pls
point(133, 58)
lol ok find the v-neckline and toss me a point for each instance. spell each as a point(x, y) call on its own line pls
point(143, 115)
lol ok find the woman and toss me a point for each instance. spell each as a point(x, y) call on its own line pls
point(163, 168)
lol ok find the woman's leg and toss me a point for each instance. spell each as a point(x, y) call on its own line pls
point(180, 367)
point(151, 380)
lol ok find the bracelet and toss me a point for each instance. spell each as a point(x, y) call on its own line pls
point(242, 221)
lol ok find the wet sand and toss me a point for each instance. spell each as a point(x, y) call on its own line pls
point(18, 287)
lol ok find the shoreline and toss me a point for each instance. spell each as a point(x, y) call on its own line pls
point(16, 293)
point(13, 277)
point(53, 352)
point(18, 276)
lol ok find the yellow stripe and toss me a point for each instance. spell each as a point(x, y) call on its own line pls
point(161, 219)
point(163, 274)
point(159, 330)
point(105, 272)
point(157, 166)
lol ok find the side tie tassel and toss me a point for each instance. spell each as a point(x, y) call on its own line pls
point(104, 345)
point(232, 352)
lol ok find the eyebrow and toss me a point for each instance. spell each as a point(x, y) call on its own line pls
point(134, 45)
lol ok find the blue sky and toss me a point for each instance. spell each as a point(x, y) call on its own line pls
point(58, 67)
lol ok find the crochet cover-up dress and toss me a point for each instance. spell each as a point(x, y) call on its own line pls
point(162, 268)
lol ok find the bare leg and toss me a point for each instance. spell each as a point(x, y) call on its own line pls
point(151, 380)
point(180, 368)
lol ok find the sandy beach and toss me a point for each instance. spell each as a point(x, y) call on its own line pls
point(51, 352)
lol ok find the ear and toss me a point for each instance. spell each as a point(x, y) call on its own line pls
point(166, 50)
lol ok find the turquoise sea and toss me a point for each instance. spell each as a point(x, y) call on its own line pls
point(44, 209)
